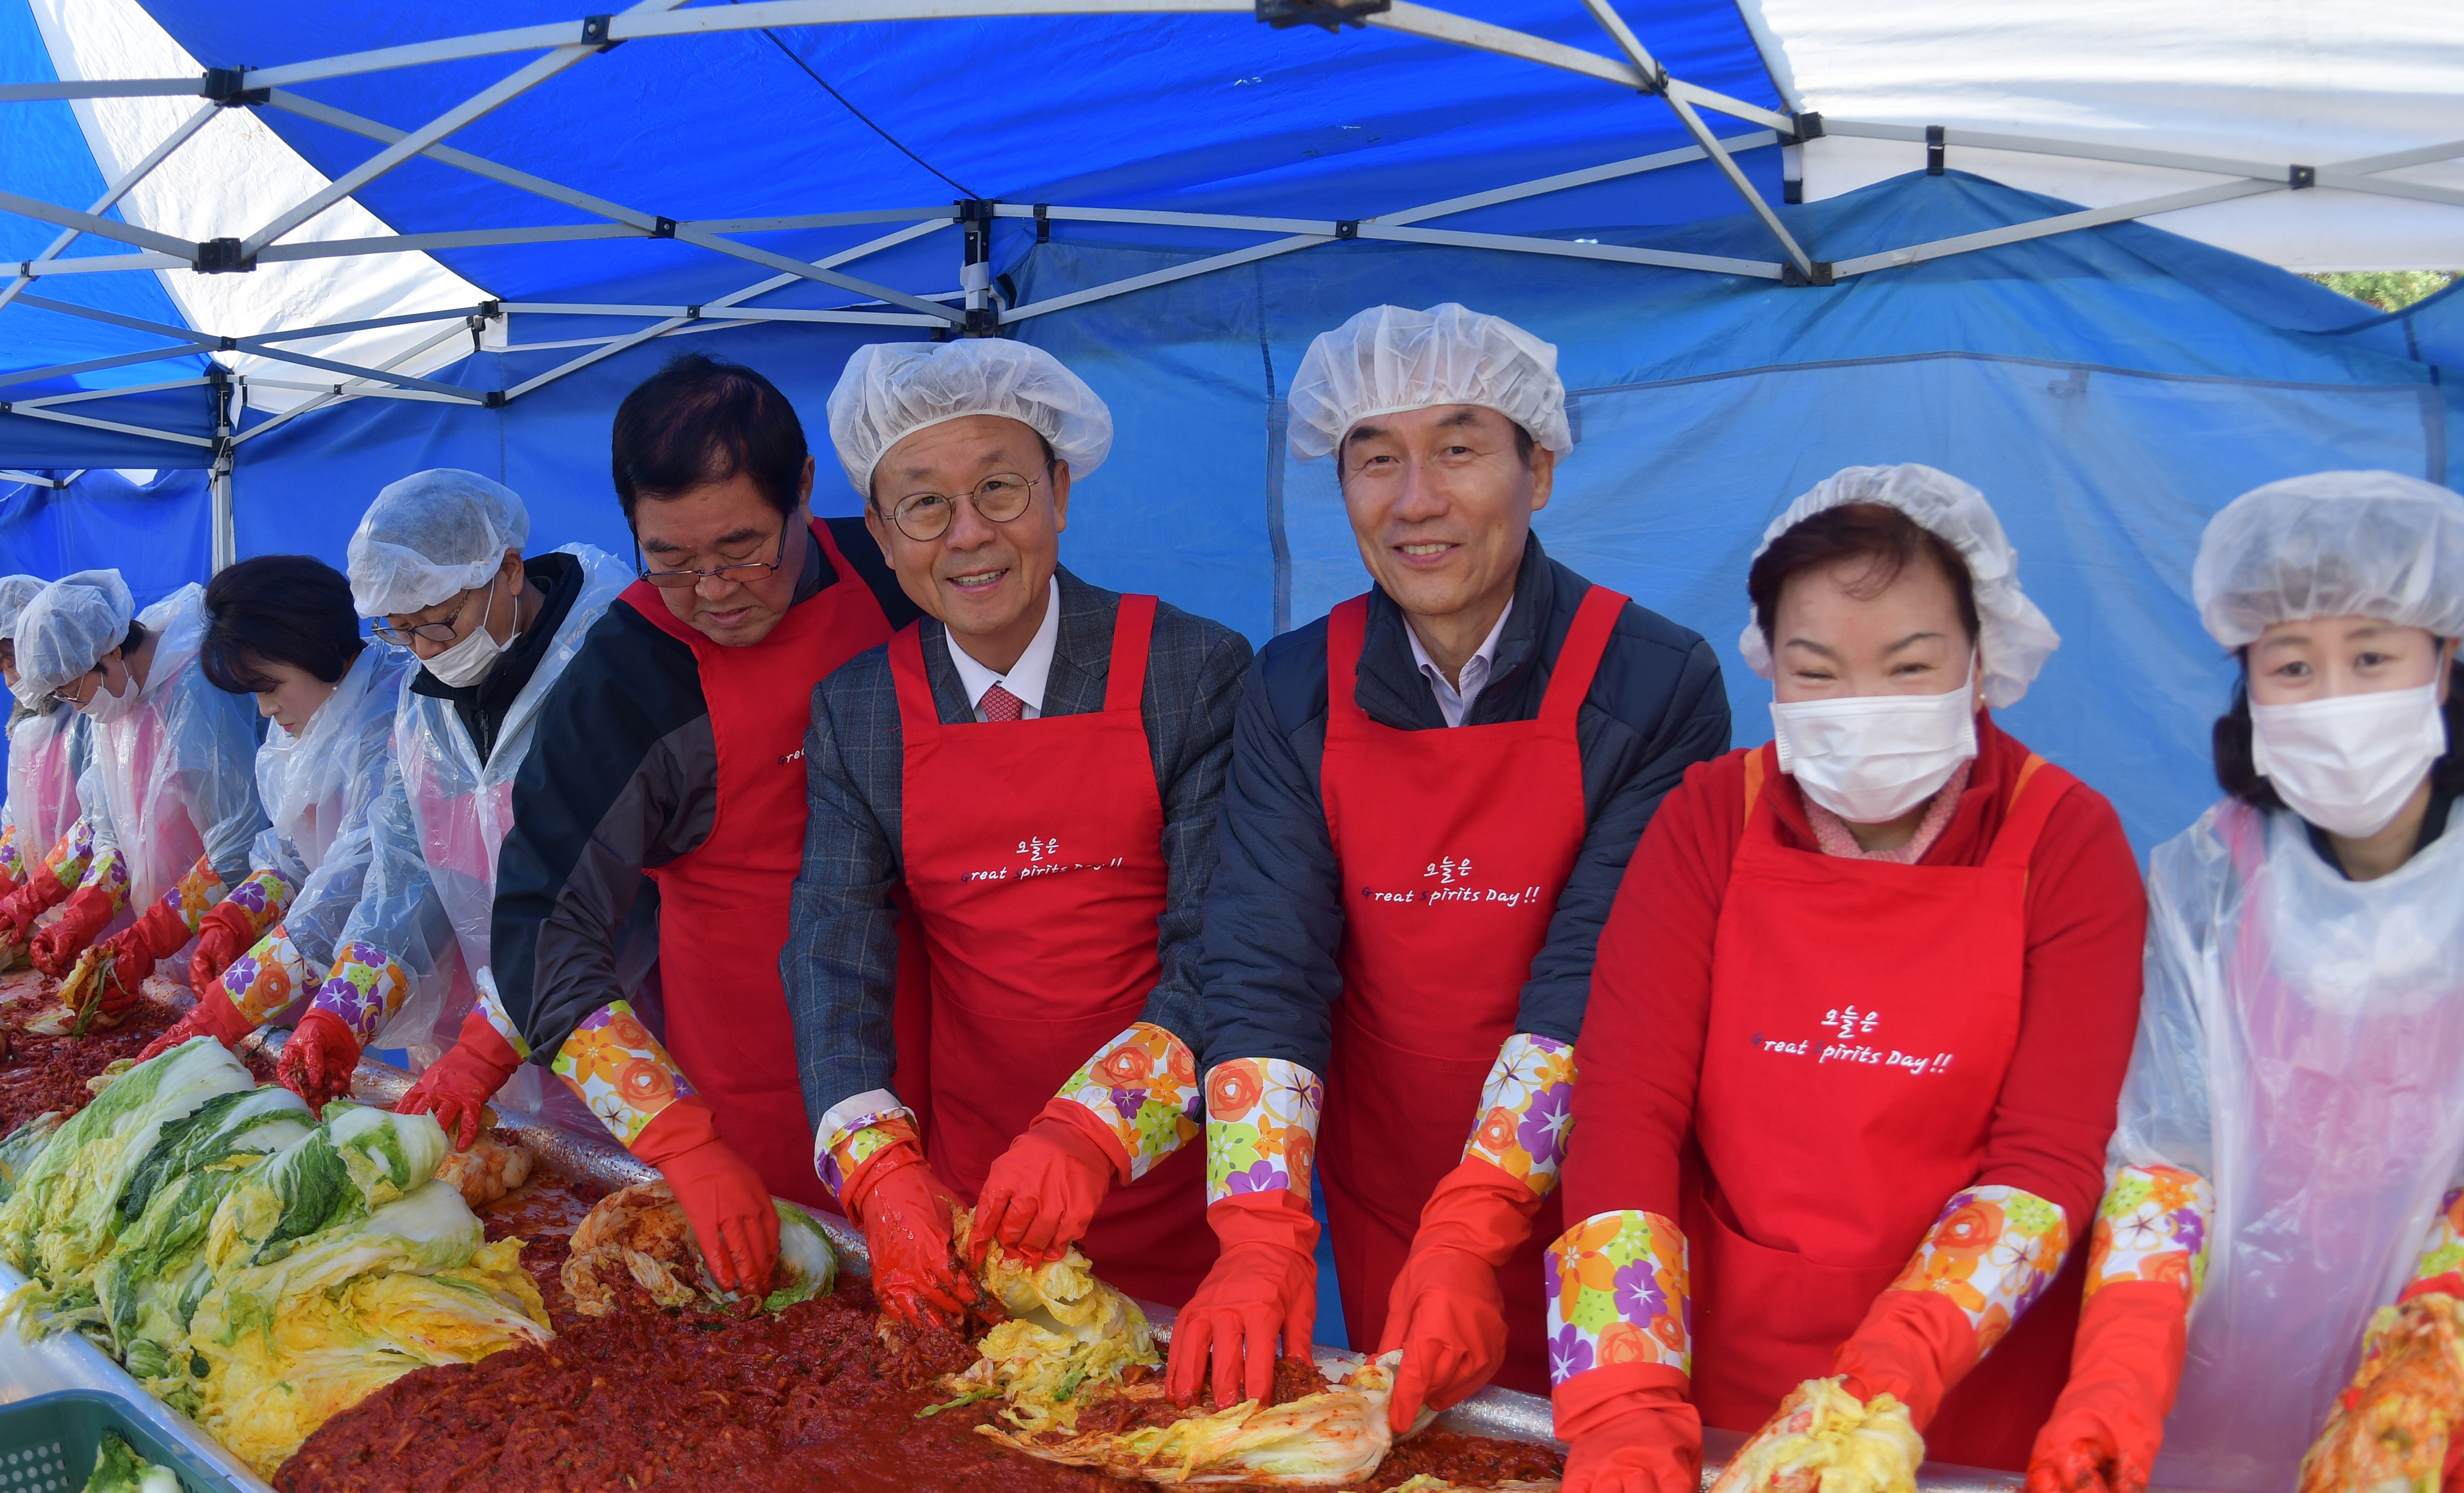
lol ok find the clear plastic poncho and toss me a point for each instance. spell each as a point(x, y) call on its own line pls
point(317, 788)
point(2300, 1045)
point(48, 752)
point(446, 814)
point(178, 774)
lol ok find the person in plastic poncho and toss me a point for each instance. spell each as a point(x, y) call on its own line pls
point(280, 627)
point(43, 823)
point(2292, 1124)
point(1855, 1030)
point(174, 761)
point(438, 564)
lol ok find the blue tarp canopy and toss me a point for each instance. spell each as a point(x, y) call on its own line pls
point(1223, 190)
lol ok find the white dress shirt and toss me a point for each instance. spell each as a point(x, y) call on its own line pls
point(1455, 704)
point(1027, 676)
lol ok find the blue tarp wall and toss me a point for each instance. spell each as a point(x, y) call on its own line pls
point(2108, 390)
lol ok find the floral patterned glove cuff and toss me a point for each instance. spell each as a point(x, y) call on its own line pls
point(195, 894)
point(491, 1010)
point(1993, 1252)
point(854, 1131)
point(1619, 1293)
point(12, 860)
point(1526, 1109)
point(365, 990)
point(268, 977)
point(2440, 1271)
point(76, 863)
point(1261, 1117)
point(265, 896)
point(615, 1067)
point(2153, 1226)
point(1142, 1087)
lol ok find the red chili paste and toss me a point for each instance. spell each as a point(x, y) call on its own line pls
point(40, 1074)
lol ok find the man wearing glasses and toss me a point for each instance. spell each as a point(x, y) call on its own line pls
point(671, 749)
point(1035, 769)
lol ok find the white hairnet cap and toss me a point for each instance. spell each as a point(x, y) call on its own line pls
point(430, 534)
point(15, 591)
point(2016, 640)
point(1388, 359)
point(2333, 544)
point(891, 390)
point(67, 627)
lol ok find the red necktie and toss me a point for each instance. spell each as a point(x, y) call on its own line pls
point(999, 704)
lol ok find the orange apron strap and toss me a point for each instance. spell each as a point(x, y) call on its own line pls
point(1758, 766)
point(2024, 819)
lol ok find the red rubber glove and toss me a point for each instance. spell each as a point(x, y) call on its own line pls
point(212, 1016)
point(457, 1088)
point(42, 891)
point(56, 948)
point(1631, 1430)
point(227, 932)
point(1915, 1344)
point(9, 884)
point(157, 932)
point(2126, 1363)
point(1446, 1310)
point(1042, 1192)
point(723, 1197)
point(905, 1210)
point(1264, 1283)
point(318, 1060)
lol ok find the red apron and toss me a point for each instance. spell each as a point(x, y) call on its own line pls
point(1034, 856)
point(723, 905)
point(1453, 845)
point(1862, 1018)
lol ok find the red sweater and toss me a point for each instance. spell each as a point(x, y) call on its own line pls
point(1640, 1054)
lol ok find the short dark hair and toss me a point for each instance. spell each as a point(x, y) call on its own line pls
point(2238, 764)
point(1883, 537)
point(290, 609)
point(700, 420)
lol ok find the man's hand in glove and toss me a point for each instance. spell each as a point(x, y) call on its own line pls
point(905, 1210)
point(318, 1060)
point(1445, 1312)
point(457, 1088)
point(1042, 1192)
point(212, 1016)
point(1264, 1284)
point(724, 1198)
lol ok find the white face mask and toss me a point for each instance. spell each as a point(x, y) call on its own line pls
point(2348, 763)
point(1870, 759)
point(468, 661)
point(106, 707)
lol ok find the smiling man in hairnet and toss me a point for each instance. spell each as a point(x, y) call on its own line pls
point(673, 750)
point(1036, 768)
point(175, 766)
point(1434, 793)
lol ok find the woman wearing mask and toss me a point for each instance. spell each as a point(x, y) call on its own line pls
point(2294, 1108)
point(174, 762)
point(1857, 1024)
point(281, 628)
point(42, 826)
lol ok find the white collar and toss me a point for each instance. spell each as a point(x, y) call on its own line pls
point(1474, 673)
point(1027, 677)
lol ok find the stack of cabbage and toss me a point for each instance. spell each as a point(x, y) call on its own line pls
point(253, 1267)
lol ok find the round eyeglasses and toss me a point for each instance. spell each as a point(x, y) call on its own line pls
point(924, 516)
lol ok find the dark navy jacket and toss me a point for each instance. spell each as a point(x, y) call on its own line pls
point(1274, 916)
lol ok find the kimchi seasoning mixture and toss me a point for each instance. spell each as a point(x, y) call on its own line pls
point(39, 1074)
point(823, 1395)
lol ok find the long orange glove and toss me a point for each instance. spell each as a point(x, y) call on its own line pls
point(1631, 1430)
point(1042, 1192)
point(1445, 1312)
point(212, 1016)
point(1915, 1344)
point(2126, 1363)
point(225, 934)
point(905, 1210)
point(55, 948)
point(722, 1195)
point(457, 1088)
point(1263, 1284)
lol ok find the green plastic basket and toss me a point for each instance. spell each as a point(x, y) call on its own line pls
point(47, 1445)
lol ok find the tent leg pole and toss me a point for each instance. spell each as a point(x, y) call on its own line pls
point(226, 539)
